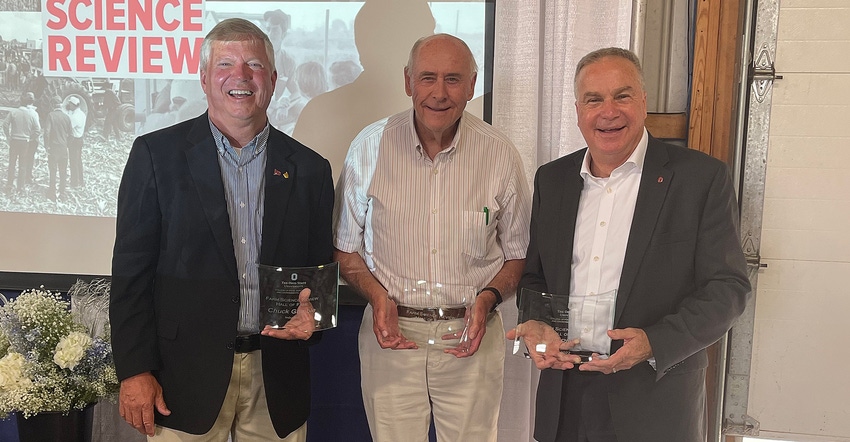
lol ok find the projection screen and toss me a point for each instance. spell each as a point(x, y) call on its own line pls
point(133, 67)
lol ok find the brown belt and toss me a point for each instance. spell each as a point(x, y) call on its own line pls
point(431, 314)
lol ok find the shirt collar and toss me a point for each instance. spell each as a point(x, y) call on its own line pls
point(635, 160)
point(256, 145)
point(449, 151)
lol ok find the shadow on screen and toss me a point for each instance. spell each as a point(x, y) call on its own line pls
point(384, 31)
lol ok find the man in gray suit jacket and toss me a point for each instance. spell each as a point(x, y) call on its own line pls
point(643, 237)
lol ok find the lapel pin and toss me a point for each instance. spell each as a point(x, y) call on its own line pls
point(660, 179)
point(286, 174)
point(276, 172)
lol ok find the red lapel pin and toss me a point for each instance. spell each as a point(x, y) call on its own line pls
point(660, 179)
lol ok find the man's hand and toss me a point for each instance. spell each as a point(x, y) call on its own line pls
point(635, 350)
point(139, 395)
point(545, 346)
point(301, 326)
point(385, 326)
point(475, 325)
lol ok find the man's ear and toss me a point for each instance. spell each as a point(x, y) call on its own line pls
point(202, 74)
point(407, 87)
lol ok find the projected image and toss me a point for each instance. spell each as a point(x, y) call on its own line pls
point(66, 138)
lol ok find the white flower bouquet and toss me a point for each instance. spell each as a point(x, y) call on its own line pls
point(49, 361)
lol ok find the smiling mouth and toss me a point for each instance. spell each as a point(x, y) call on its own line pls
point(611, 130)
point(240, 93)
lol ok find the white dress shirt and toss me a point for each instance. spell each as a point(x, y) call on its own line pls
point(604, 221)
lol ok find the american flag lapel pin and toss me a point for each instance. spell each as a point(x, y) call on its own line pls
point(277, 172)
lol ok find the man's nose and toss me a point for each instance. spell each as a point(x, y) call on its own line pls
point(440, 90)
point(243, 70)
point(609, 109)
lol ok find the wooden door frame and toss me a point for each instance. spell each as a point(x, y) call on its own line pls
point(712, 120)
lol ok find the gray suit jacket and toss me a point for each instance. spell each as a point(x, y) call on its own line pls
point(684, 281)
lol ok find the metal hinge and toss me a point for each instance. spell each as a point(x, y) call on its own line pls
point(754, 260)
point(763, 73)
point(747, 427)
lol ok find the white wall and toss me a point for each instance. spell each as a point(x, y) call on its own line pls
point(799, 383)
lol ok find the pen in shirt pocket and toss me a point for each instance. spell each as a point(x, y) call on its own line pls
point(486, 216)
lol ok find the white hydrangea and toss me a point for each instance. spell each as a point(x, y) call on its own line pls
point(12, 372)
point(71, 349)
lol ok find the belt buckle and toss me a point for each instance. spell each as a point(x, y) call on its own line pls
point(429, 314)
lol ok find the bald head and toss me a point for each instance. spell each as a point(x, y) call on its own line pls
point(461, 45)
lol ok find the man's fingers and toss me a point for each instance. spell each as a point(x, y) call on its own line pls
point(147, 418)
point(161, 407)
point(406, 345)
point(304, 296)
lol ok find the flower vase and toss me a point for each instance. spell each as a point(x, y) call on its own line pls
point(75, 426)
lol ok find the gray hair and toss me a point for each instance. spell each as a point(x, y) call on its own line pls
point(235, 29)
point(414, 51)
point(599, 54)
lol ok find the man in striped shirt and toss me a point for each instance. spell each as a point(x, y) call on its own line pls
point(431, 228)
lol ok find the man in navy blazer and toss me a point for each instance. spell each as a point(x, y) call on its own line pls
point(201, 203)
point(644, 234)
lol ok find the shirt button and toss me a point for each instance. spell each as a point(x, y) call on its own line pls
point(243, 241)
point(603, 224)
point(596, 258)
point(433, 251)
point(242, 205)
point(609, 190)
point(586, 330)
point(436, 171)
point(434, 211)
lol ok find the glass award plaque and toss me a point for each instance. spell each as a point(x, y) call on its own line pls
point(280, 288)
point(435, 301)
point(543, 318)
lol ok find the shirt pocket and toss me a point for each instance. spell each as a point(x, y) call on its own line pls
point(475, 229)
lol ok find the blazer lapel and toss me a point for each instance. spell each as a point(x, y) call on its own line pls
point(202, 160)
point(567, 213)
point(654, 183)
point(281, 174)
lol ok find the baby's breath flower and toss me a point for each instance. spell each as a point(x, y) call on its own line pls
point(50, 363)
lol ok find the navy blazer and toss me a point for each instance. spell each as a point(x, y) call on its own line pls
point(684, 281)
point(174, 306)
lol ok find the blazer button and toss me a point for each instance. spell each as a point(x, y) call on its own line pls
point(230, 345)
point(235, 300)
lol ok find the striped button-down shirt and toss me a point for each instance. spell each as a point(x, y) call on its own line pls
point(452, 221)
point(243, 176)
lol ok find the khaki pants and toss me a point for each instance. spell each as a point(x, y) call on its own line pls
point(244, 415)
point(401, 388)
